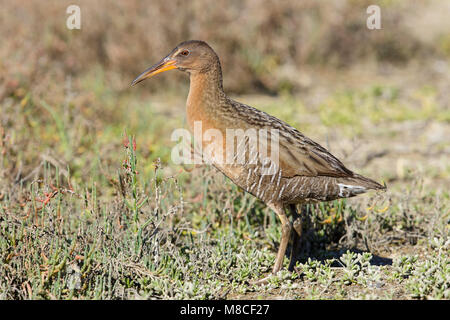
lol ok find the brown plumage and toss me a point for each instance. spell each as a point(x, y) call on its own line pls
point(304, 171)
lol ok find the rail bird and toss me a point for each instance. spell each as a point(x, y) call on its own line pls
point(292, 170)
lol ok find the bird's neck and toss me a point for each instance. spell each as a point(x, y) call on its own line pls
point(205, 95)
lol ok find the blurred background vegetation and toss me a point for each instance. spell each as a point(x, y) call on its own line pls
point(264, 46)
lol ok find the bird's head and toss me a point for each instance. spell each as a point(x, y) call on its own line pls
point(192, 56)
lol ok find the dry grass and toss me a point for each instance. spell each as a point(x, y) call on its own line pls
point(263, 46)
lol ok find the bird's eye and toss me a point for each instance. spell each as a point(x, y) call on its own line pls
point(184, 53)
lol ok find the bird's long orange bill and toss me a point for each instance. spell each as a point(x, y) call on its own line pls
point(164, 65)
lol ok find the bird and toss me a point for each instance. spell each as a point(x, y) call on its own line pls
point(298, 170)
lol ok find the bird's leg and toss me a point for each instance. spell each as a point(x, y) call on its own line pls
point(297, 225)
point(285, 233)
point(286, 228)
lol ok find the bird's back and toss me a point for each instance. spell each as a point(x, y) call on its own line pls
point(304, 170)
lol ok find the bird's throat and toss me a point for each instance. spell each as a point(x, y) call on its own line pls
point(205, 94)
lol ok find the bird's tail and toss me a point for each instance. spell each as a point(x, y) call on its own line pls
point(357, 184)
point(368, 183)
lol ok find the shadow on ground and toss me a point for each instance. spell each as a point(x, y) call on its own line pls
point(337, 254)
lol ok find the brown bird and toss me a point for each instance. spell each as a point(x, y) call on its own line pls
point(297, 171)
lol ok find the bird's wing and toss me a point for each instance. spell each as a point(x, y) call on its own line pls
point(300, 156)
point(297, 154)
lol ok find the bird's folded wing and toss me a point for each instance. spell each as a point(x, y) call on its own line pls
point(303, 157)
point(297, 154)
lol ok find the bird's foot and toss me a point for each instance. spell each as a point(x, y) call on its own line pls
point(264, 280)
